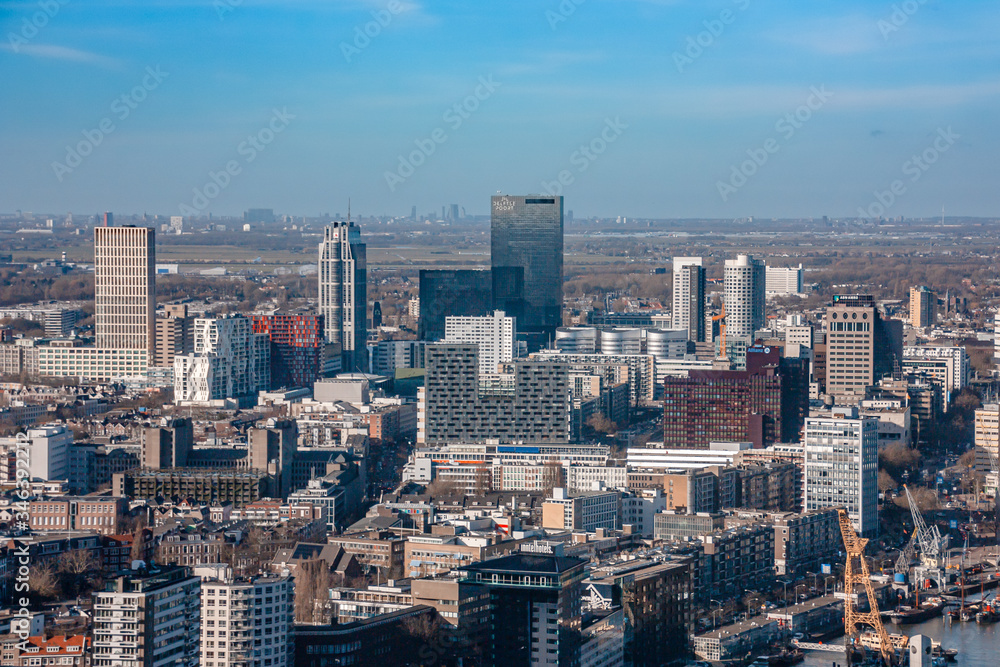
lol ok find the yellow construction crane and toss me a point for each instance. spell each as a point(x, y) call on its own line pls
point(722, 330)
point(856, 574)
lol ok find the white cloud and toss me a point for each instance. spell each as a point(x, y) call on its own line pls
point(64, 53)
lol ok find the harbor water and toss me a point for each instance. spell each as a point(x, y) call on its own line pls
point(978, 645)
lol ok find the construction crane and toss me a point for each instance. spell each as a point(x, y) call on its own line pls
point(906, 555)
point(721, 318)
point(856, 573)
point(933, 546)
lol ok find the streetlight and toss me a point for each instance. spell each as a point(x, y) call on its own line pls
point(784, 595)
point(797, 591)
point(714, 616)
point(826, 582)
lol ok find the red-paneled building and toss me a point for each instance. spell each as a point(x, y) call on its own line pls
point(298, 349)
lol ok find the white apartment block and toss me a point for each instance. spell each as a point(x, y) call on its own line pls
point(229, 361)
point(681, 297)
point(841, 469)
point(48, 451)
point(948, 366)
point(987, 437)
point(744, 296)
point(124, 288)
point(587, 511)
point(247, 623)
point(781, 281)
point(148, 619)
point(92, 364)
point(494, 334)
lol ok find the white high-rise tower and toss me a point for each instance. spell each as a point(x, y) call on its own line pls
point(745, 279)
point(124, 288)
point(689, 297)
point(343, 293)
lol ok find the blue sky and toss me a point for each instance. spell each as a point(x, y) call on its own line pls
point(666, 123)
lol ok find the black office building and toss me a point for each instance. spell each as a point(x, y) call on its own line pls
point(528, 232)
point(468, 293)
point(535, 607)
point(458, 293)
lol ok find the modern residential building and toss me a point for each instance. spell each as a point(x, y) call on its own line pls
point(245, 622)
point(299, 354)
point(861, 347)
point(782, 281)
point(923, 307)
point(229, 361)
point(535, 606)
point(148, 618)
point(689, 297)
point(841, 468)
point(343, 293)
point(527, 232)
point(744, 296)
point(530, 405)
point(495, 335)
point(124, 288)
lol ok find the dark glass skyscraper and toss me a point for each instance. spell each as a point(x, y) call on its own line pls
point(461, 293)
point(528, 232)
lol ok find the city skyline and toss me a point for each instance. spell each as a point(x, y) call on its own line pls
point(634, 108)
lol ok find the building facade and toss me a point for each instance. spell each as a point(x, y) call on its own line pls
point(247, 623)
point(841, 469)
point(744, 296)
point(124, 288)
point(343, 293)
point(527, 232)
point(689, 297)
point(148, 618)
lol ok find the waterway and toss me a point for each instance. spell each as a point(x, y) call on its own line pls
point(978, 645)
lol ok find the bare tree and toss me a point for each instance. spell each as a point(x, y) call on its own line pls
point(139, 542)
point(312, 589)
point(43, 582)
